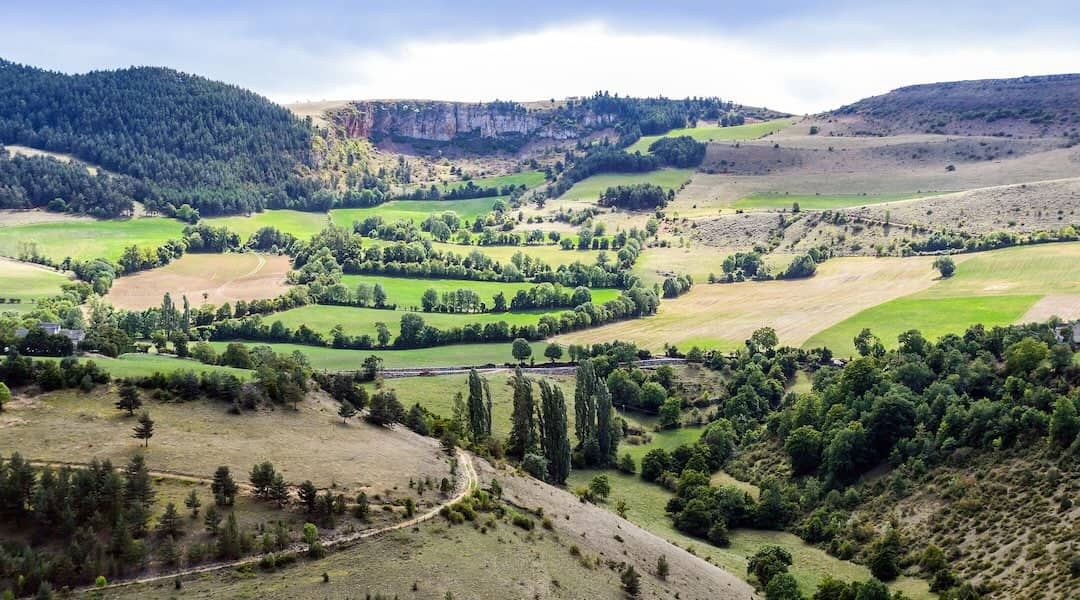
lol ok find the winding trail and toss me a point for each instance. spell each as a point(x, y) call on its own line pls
point(465, 481)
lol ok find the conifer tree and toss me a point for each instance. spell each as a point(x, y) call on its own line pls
point(228, 545)
point(193, 503)
point(129, 398)
point(144, 429)
point(169, 523)
point(346, 411)
point(212, 519)
point(523, 426)
point(223, 487)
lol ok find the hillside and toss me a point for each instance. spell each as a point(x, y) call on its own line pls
point(1024, 106)
point(182, 138)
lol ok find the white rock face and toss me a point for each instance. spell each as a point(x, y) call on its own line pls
point(445, 121)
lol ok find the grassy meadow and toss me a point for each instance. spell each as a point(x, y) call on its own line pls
point(590, 188)
point(301, 224)
point(89, 239)
point(27, 283)
point(407, 293)
point(820, 201)
point(336, 359)
point(749, 131)
point(415, 210)
point(137, 364)
point(993, 288)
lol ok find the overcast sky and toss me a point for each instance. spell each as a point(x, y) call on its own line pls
point(799, 56)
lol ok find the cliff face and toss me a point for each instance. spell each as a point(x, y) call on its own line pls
point(447, 121)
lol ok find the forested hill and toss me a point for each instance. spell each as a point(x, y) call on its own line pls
point(183, 138)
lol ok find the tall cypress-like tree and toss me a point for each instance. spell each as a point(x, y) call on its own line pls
point(523, 425)
point(553, 436)
point(479, 407)
point(585, 404)
point(607, 437)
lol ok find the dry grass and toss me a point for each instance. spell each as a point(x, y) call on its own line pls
point(195, 437)
point(27, 151)
point(213, 278)
point(10, 217)
point(722, 315)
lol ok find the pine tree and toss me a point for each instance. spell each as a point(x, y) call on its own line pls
point(223, 487)
point(144, 430)
point(193, 503)
point(523, 426)
point(129, 398)
point(279, 490)
point(479, 407)
point(631, 582)
point(309, 495)
point(346, 411)
point(138, 489)
point(228, 545)
point(212, 519)
point(553, 437)
point(169, 523)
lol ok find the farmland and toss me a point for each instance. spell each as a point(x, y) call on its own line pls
point(26, 283)
point(137, 364)
point(335, 359)
point(749, 131)
point(360, 321)
point(301, 224)
point(204, 278)
point(414, 210)
point(88, 239)
point(407, 293)
point(591, 187)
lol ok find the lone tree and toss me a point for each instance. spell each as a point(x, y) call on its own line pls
point(129, 398)
point(346, 411)
point(553, 352)
point(144, 430)
point(223, 487)
point(945, 266)
point(631, 582)
point(193, 503)
point(479, 407)
point(521, 349)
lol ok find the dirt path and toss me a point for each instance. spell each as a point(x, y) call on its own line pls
point(465, 482)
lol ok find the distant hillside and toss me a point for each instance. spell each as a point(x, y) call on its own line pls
point(1025, 106)
point(509, 126)
point(183, 138)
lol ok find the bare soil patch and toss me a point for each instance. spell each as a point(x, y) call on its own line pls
point(10, 217)
point(204, 278)
point(1057, 305)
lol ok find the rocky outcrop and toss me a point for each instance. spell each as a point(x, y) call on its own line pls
point(450, 121)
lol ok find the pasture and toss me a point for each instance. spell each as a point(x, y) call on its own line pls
point(359, 321)
point(590, 188)
point(88, 239)
point(195, 437)
point(415, 210)
point(407, 293)
point(766, 201)
point(136, 364)
point(749, 131)
point(26, 283)
point(336, 359)
point(204, 278)
point(299, 223)
point(721, 316)
point(550, 254)
point(999, 287)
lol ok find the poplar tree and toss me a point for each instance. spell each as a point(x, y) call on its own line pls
point(479, 407)
point(523, 426)
point(553, 437)
point(585, 404)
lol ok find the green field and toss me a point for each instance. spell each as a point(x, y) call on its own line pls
point(144, 365)
point(821, 202)
point(934, 317)
point(529, 179)
point(590, 188)
point(645, 507)
point(358, 321)
point(334, 359)
point(301, 224)
point(89, 239)
point(750, 131)
point(550, 254)
point(415, 210)
point(991, 288)
point(27, 283)
point(407, 293)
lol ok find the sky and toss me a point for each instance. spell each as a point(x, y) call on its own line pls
point(796, 56)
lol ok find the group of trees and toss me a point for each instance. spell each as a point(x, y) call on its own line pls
point(637, 196)
point(680, 151)
point(600, 159)
point(461, 192)
point(58, 186)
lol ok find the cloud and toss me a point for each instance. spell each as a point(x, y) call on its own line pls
point(578, 59)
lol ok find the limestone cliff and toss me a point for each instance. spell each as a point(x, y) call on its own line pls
point(452, 121)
